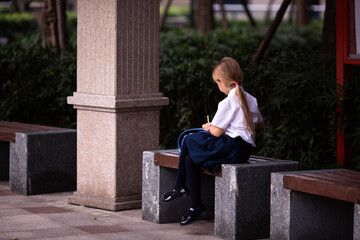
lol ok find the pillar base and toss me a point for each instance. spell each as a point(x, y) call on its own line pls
point(106, 203)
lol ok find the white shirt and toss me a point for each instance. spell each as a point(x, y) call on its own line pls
point(230, 116)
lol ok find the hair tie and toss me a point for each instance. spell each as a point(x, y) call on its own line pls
point(236, 83)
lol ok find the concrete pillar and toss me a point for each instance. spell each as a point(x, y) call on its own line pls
point(117, 99)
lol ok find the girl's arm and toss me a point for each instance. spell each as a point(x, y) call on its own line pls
point(215, 131)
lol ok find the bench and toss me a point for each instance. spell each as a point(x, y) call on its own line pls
point(37, 159)
point(237, 197)
point(317, 204)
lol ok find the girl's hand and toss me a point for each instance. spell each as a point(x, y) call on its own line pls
point(215, 131)
point(205, 126)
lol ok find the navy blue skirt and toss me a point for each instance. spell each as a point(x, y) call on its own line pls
point(210, 152)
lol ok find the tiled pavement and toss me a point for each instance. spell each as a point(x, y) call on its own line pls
point(49, 216)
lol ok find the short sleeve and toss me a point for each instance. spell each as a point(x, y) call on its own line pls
point(255, 113)
point(222, 117)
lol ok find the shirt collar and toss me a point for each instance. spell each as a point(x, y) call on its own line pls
point(232, 92)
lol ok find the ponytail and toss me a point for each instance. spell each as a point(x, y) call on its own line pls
point(247, 114)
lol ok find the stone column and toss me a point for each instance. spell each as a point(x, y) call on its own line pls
point(117, 99)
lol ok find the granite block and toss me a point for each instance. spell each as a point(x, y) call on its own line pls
point(298, 215)
point(159, 180)
point(242, 198)
point(43, 162)
point(4, 161)
point(279, 208)
point(318, 217)
point(356, 221)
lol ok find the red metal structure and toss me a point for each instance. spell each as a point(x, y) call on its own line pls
point(346, 57)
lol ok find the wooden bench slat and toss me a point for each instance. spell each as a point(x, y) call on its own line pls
point(164, 160)
point(7, 137)
point(352, 174)
point(8, 130)
point(323, 188)
point(349, 178)
point(171, 160)
point(24, 126)
point(334, 178)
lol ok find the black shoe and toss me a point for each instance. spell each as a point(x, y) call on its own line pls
point(175, 194)
point(191, 215)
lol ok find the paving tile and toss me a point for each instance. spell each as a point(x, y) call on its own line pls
point(77, 219)
point(82, 237)
point(26, 222)
point(43, 233)
point(46, 209)
point(18, 201)
point(50, 197)
point(12, 212)
point(6, 193)
point(132, 236)
point(5, 206)
point(50, 217)
point(98, 229)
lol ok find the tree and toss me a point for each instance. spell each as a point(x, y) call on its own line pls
point(54, 31)
point(302, 12)
point(15, 5)
point(204, 17)
point(329, 30)
point(223, 15)
point(164, 14)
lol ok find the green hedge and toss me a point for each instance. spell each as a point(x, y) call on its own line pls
point(295, 85)
point(35, 83)
point(16, 25)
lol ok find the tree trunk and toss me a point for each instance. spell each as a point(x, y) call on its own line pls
point(204, 18)
point(329, 28)
point(49, 23)
point(53, 23)
point(271, 31)
point(61, 25)
point(248, 13)
point(268, 11)
point(302, 12)
point(15, 5)
point(164, 14)
point(223, 16)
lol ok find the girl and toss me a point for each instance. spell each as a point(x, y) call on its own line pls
point(229, 138)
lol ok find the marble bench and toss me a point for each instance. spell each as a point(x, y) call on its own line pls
point(37, 159)
point(237, 198)
point(317, 204)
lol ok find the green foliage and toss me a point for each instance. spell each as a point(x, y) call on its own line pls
point(16, 25)
point(294, 83)
point(35, 82)
point(176, 11)
point(351, 119)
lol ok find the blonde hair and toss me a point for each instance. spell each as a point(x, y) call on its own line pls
point(229, 71)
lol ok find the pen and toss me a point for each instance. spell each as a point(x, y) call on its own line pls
point(207, 117)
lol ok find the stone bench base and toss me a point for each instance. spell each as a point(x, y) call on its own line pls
point(43, 162)
point(298, 215)
point(156, 181)
point(4, 161)
point(239, 201)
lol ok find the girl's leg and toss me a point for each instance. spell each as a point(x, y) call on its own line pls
point(194, 182)
point(181, 174)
